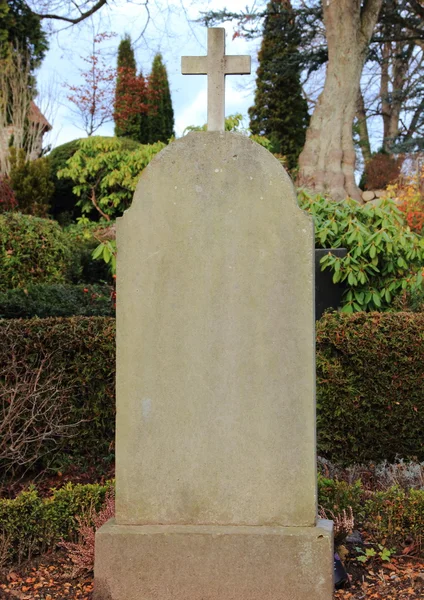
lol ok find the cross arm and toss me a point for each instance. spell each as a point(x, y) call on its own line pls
point(237, 65)
point(194, 65)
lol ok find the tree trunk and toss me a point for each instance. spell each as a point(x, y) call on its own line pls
point(364, 136)
point(327, 162)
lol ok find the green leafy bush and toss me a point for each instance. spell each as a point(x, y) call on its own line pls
point(384, 257)
point(32, 250)
point(85, 237)
point(370, 373)
point(105, 174)
point(31, 183)
point(30, 524)
point(64, 201)
point(57, 300)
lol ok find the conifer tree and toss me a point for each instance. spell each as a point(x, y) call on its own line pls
point(160, 112)
point(143, 124)
point(130, 92)
point(280, 112)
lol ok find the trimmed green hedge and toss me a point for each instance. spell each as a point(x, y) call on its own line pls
point(370, 386)
point(33, 524)
point(57, 301)
point(32, 250)
point(370, 382)
point(82, 351)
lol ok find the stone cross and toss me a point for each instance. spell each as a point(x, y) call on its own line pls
point(216, 65)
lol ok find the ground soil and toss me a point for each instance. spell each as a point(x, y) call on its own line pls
point(50, 578)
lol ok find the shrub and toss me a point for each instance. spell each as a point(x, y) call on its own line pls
point(370, 373)
point(31, 183)
point(33, 524)
point(85, 237)
point(64, 201)
point(84, 358)
point(82, 552)
point(7, 196)
point(105, 174)
point(46, 300)
point(381, 170)
point(384, 257)
point(32, 250)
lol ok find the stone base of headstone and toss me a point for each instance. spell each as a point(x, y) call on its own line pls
point(204, 562)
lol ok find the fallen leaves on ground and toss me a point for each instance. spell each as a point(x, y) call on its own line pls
point(400, 579)
point(50, 579)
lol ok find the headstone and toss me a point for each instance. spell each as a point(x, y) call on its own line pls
point(216, 494)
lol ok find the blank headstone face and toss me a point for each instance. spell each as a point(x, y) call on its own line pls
point(215, 341)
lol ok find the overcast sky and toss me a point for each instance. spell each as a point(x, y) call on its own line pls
point(169, 31)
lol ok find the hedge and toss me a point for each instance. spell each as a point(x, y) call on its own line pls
point(32, 250)
point(57, 301)
point(370, 386)
point(82, 351)
point(32, 524)
point(370, 376)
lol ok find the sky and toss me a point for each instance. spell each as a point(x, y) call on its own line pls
point(171, 31)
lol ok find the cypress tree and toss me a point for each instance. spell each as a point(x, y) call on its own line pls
point(127, 94)
point(160, 113)
point(143, 124)
point(280, 112)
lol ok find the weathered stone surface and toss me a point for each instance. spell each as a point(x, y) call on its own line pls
point(213, 563)
point(380, 193)
point(367, 196)
point(215, 341)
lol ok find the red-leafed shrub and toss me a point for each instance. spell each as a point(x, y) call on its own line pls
point(81, 553)
point(382, 170)
point(7, 196)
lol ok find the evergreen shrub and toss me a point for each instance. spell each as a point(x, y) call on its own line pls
point(64, 203)
point(32, 250)
point(57, 300)
point(370, 374)
point(31, 183)
point(33, 524)
point(384, 259)
point(82, 351)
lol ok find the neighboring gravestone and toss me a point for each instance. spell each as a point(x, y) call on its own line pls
point(216, 493)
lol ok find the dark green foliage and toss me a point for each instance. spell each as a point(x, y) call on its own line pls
point(280, 112)
point(32, 524)
point(45, 300)
point(21, 28)
point(84, 268)
point(82, 350)
point(370, 373)
point(32, 250)
point(370, 368)
point(63, 200)
point(160, 113)
point(31, 183)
